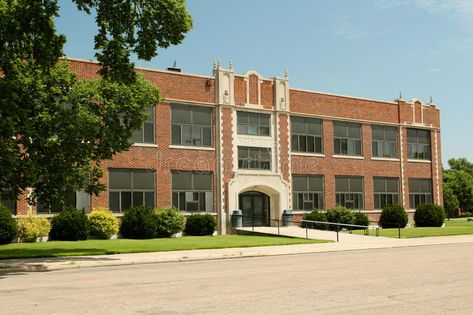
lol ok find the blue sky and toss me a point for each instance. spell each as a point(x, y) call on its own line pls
point(366, 48)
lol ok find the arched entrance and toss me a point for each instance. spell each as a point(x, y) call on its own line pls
point(255, 208)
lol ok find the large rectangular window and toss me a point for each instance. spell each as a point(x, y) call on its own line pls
point(386, 191)
point(254, 158)
point(253, 124)
point(192, 191)
point(418, 144)
point(9, 203)
point(349, 191)
point(146, 133)
point(129, 188)
point(347, 138)
point(307, 192)
point(73, 199)
point(384, 142)
point(191, 125)
point(420, 191)
point(306, 135)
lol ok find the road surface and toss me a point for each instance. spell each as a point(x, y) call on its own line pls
point(414, 280)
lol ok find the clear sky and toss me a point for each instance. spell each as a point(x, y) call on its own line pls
point(366, 48)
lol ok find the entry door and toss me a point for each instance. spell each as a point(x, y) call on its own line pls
point(255, 208)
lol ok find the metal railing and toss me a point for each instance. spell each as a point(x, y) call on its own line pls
point(338, 227)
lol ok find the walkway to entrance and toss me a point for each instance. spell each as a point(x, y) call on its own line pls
point(294, 231)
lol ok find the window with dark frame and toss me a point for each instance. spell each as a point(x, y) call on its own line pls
point(128, 188)
point(347, 138)
point(255, 124)
point(191, 125)
point(307, 192)
point(254, 158)
point(420, 191)
point(146, 133)
point(70, 200)
point(418, 144)
point(9, 203)
point(386, 191)
point(306, 135)
point(349, 191)
point(192, 191)
point(384, 141)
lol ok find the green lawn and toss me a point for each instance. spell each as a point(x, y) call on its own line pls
point(101, 247)
point(452, 227)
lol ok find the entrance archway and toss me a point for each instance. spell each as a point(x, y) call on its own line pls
point(255, 208)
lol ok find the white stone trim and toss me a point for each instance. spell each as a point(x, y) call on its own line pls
point(184, 147)
point(187, 102)
point(385, 159)
point(437, 166)
point(145, 145)
point(307, 154)
point(419, 161)
point(348, 157)
point(403, 183)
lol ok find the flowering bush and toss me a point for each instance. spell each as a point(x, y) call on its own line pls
point(102, 223)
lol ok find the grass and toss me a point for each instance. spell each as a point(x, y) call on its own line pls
point(120, 246)
point(452, 227)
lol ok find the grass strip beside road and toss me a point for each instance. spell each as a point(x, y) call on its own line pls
point(121, 246)
point(452, 227)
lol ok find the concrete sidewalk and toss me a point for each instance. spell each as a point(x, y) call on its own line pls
point(347, 243)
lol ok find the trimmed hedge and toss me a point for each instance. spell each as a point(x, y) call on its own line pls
point(393, 216)
point(103, 224)
point(465, 214)
point(8, 229)
point(339, 214)
point(314, 216)
point(30, 228)
point(361, 219)
point(429, 215)
point(139, 223)
point(69, 225)
point(200, 224)
point(169, 221)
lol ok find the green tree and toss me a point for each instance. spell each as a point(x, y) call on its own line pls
point(461, 184)
point(450, 201)
point(461, 164)
point(55, 129)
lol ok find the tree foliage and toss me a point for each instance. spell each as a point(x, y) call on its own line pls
point(55, 129)
point(460, 182)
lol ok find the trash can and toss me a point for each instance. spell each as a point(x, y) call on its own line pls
point(287, 218)
point(237, 219)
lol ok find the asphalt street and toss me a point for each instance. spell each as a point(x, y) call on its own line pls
point(435, 279)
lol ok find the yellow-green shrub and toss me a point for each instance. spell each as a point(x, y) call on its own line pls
point(31, 228)
point(103, 224)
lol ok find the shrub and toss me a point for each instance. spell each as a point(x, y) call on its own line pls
point(340, 214)
point(169, 221)
point(393, 216)
point(360, 219)
point(429, 215)
point(314, 216)
point(103, 224)
point(8, 229)
point(139, 223)
point(200, 225)
point(69, 225)
point(30, 228)
point(465, 214)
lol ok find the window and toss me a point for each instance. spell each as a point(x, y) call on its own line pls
point(129, 188)
point(192, 191)
point(146, 133)
point(73, 199)
point(307, 192)
point(253, 124)
point(191, 125)
point(386, 191)
point(349, 191)
point(384, 141)
point(347, 138)
point(418, 144)
point(254, 158)
point(420, 192)
point(9, 203)
point(306, 135)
